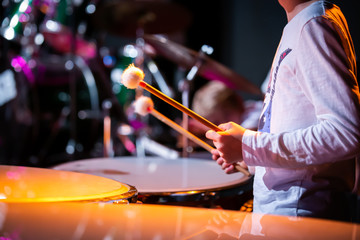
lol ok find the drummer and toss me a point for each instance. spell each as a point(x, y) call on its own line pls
point(306, 148)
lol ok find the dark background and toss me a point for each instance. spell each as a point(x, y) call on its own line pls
point(245, 34)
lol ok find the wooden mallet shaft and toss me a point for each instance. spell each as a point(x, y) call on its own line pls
point(179, 106)
point(191, 136)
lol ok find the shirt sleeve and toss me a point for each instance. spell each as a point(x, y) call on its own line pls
point(327, 77)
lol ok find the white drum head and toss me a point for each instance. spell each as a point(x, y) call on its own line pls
point(158, 175)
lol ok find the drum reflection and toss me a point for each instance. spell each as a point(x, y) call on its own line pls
point(143, 221)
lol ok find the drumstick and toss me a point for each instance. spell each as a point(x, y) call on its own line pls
point(144, 105)
point(133, 77)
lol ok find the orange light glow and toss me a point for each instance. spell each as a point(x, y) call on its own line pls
point(26, 184)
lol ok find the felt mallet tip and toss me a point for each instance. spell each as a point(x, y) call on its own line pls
point(143, 105)
point(132, 76)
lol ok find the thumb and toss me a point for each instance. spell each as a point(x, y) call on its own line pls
point(225, 126)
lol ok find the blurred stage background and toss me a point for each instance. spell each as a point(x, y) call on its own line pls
point(52, 112)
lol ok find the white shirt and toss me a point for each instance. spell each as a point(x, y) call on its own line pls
point(309, 130)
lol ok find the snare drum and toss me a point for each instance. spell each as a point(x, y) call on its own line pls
point(27, 184)
point(183, 182)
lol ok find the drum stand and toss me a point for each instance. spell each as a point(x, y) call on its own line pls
point(108, 145)
point(160, 81)
point(184, 87)
point(146, 145)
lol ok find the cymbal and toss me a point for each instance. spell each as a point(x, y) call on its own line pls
point(124, 18)
point(209, 69)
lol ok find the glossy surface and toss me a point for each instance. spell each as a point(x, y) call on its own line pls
point(26, 184)
point(140, 221)
point(157, 175)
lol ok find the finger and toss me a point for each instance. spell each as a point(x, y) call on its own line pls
point(212, 135)
point(225, 165)
point(215, 157)
point(218, 145)
point(220, 161)
point(230, 169)
point(215, 152)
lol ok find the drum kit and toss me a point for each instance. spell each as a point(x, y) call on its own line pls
point(69, 98)
point(66, 75)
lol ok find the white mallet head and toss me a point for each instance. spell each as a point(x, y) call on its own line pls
point(143, 105)
point(132, 76)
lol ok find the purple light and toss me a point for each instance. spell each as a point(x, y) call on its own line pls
point(28, 10)
point(23, 18)
point(19, 63)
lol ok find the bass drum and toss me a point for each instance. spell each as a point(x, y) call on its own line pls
point(182, 182)
point(48, 121)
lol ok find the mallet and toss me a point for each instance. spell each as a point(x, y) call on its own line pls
point(133, 77)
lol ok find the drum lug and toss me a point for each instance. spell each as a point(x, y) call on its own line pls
point(122, 201)
point(208, 195)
